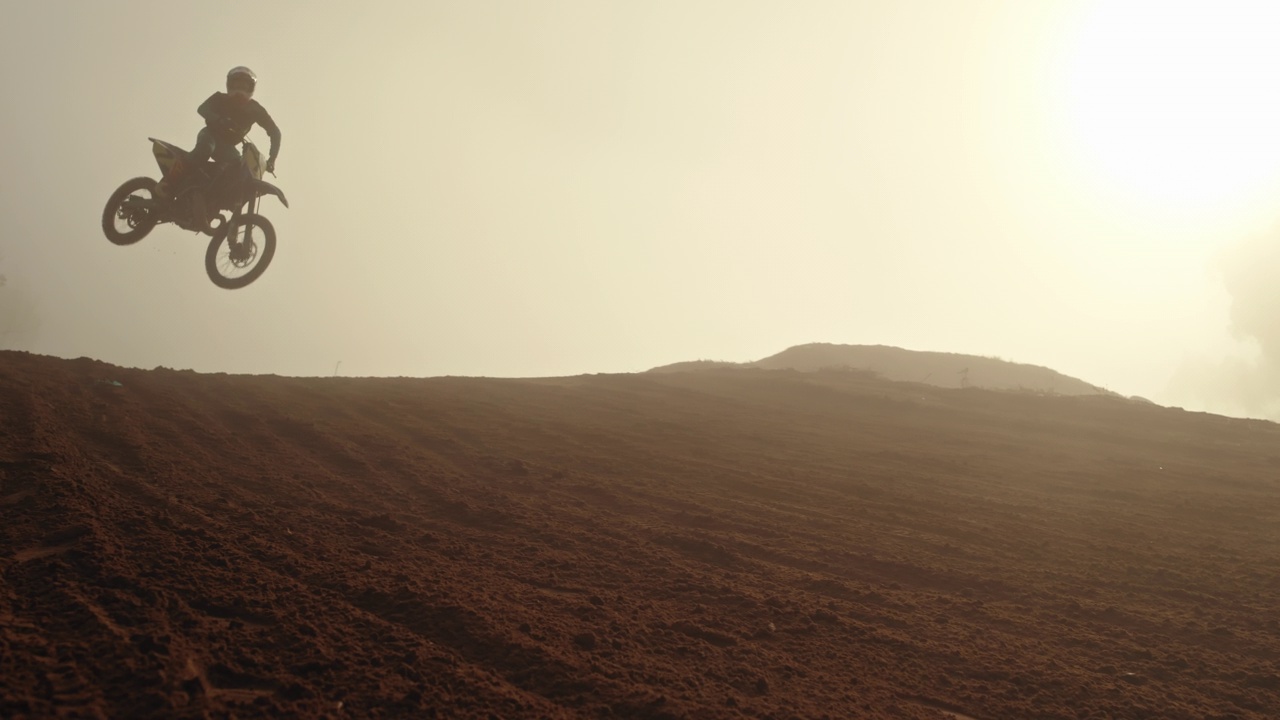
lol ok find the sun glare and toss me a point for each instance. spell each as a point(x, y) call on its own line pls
point(1176, 104)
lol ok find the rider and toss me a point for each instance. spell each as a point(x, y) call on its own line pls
point(228, 118)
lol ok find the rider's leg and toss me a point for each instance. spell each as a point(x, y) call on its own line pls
point(205, 145)
point(226, 160)
point(225, 154)
point(212, 195)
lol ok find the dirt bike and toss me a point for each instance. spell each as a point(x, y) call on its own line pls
point(243, 242)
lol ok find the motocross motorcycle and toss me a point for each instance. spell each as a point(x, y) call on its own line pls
point(243, 242)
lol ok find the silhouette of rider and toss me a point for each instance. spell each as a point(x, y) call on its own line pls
point(228, 118)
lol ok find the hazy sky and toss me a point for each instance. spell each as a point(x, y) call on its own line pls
point(554, 187)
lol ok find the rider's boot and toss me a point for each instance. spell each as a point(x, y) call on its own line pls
point(199, 211)
point(165, 188)
point(163, 192)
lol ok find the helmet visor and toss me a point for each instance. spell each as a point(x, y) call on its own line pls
point(240, 84)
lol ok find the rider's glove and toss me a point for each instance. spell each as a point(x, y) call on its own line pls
point(271, 165)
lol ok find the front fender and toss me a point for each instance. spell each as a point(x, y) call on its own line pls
point(262, 187)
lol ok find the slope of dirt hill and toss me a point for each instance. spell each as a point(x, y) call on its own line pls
point(734, 544)
point(696, 365)
point(932, 368)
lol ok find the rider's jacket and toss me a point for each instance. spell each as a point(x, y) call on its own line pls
point(230, 120)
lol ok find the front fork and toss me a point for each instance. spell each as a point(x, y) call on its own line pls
point(235, 244)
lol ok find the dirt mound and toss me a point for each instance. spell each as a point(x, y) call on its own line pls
point(702, 545)
point(893, 363)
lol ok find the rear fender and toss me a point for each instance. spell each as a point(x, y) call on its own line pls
point(262, 187)
point(167, 154)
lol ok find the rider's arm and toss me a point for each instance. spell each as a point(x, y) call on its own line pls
point(264, 119)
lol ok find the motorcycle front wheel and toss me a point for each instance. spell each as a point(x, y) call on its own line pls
point(129, 215)
point(240, 251)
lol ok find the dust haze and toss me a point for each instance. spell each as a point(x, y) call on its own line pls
point(18, 319)
point(905, 271)
point(1246, 380)
point(572, 187)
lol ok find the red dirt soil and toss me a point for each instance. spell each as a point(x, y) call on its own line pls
point(726, 544)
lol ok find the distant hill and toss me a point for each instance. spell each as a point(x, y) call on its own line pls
point(894, 363)
point(695, 365)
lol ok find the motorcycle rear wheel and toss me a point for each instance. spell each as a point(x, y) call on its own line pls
point(245, 243)
point(126, 219)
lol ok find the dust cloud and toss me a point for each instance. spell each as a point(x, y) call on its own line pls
point(1247, 381)
point(18, 317)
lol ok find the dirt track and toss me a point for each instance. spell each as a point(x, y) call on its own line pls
point(719, 545)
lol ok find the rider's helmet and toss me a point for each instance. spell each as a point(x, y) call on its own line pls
point(241, 81)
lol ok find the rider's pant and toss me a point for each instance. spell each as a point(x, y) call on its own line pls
point(224, 154)
point(207, 146)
